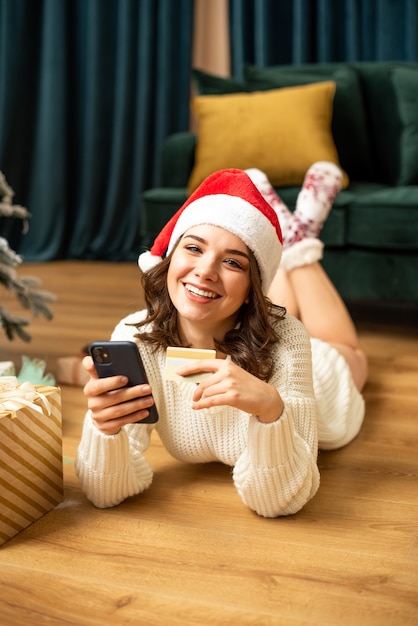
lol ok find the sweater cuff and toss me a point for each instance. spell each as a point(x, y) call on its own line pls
point(271, 445)
point(107, 471)
point(105, 452)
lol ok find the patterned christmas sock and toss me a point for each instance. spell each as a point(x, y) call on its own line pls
point(300, 229)
point(263, 185)
point(321, 185)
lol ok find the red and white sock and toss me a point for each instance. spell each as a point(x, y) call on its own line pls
point(322, 183)
point(320, 187)
point(301, 229)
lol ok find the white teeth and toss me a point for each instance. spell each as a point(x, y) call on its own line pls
point(200, 292)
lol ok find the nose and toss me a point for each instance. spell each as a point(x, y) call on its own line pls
point(206, 268)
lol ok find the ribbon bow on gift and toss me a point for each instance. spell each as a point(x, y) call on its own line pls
point(14, 396)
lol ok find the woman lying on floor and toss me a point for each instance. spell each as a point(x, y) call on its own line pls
point(282, 379)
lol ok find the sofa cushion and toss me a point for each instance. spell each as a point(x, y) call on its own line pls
point(208, 84)
point(280, 131)
point(157, 207)
point(177, 159)
point(383, 118)
point(369, 275)
point(349, 125)
point(405, 80)
point(385, 219)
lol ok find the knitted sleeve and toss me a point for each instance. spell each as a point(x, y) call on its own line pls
point(277, 472)
point(111, 468)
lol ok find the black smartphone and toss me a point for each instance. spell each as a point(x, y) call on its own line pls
point(122, 358)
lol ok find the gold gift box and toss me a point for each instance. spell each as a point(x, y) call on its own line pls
point(31, 466)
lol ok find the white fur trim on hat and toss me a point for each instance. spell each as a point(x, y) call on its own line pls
point(240, 218)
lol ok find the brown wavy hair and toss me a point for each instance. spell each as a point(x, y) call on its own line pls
point(249, 344)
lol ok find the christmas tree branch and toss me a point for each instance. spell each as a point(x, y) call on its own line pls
point(13, 326)
point(26, 288)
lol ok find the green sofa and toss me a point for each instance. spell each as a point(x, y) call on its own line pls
point(371, 235)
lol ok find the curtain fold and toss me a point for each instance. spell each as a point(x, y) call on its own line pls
point(89, 89)
point(267, 32)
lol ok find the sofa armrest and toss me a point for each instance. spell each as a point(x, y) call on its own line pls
point(177, 159)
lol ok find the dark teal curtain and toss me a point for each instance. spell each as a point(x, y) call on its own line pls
point(274, 32)
point(89, 89)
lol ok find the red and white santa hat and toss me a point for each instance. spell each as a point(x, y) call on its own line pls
point(229, 199)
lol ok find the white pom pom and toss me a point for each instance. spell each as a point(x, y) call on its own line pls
point(147, 261)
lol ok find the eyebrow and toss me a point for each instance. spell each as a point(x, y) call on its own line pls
point(229, 250)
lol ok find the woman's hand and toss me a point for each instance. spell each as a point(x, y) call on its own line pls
point(111, 403)
point(230, 385)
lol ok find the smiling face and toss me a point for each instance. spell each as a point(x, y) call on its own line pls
point(208, 280)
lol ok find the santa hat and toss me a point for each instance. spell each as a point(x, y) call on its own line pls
point(229, 199)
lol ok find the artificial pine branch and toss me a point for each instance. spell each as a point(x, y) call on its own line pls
point(26, 288)
point(14, 325)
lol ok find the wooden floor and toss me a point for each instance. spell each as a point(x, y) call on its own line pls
point(188, 551)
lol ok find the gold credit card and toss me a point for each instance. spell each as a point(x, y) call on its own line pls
point(180, 357)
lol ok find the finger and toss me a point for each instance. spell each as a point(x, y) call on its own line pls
point(206, 396)
point(99, 386)
point(111, 419)
point(88, 365)
point(212, 383)
point(103, 412)
point(113, 397)
point(197, 367)
point(208, 402)
point(113, 426)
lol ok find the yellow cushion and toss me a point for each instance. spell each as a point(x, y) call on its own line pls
point(280, 131)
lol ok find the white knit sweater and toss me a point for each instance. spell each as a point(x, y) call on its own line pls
point(275, 470)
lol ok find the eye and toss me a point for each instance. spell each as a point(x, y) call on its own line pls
point(193, 248)
point(234, 263)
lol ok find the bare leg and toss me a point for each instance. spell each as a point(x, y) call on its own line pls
point(308, 293)
point(281, 292)
point(301, 285)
